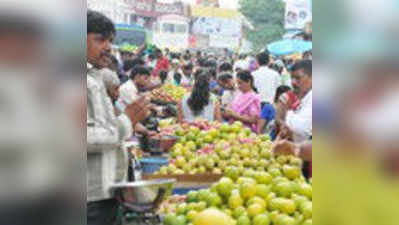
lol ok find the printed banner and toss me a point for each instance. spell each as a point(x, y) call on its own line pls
point(297, 13)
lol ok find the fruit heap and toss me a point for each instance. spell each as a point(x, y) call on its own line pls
point(168, 93)
point(280, 196)
point(218, 149)
point(170, 204)
point(201, 124)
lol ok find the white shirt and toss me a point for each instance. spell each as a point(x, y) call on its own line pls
point(266, 81)
point(228, 97)
point(128, 92)
point(242, 64)
point(107, 161)
point(170, 77)
point(300, 121)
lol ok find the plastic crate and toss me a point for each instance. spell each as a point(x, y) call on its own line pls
point(151, 165)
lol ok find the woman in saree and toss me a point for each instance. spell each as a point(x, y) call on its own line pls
point(246, 106)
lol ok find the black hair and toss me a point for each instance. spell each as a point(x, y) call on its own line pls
point(163, 75)
point(263, 58)
point(177, 78)
point(277, 68)
point(139, 70)
point(186, 57)
point(307, 54)
point(158, 51)
point(130, 64)
point(200, 72)
point(281, 90)
point(202, 62)
point(213, 73)
point(242, 56)
point(305, 65)
point(99, 24)
point(151, 56)
point(200, 94)
point(211, 64)
point(225, 77)
point(114, 62)
point(246, 76)
point(307, 37)
point(174, 55)
point(225, 67)
point(188, 67)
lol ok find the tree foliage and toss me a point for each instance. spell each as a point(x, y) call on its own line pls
point(267, 16)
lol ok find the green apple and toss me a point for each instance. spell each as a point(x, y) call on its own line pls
point(255, 209)
point(247, 190)
point(284, 189)
point(225, 186)
point(243, 220)
point(288, 207)
point(192, 196)
point(239, 212)
point(291, 172)
point(261, 219)
point(305, 190)
point(257, 200)
point(235, 200)
point(263, 190)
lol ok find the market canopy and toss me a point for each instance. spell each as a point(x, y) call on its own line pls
point(288, 47)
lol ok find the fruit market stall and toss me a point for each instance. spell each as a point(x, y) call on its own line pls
point(246, 183)
point(230, 174)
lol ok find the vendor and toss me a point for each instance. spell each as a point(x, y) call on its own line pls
point(246, 105)
point(200, 103)
point(138, 80)
point(106, 162)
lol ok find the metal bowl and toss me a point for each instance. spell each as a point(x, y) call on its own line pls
point(144, 195)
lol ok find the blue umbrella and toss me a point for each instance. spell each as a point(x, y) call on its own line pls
point(288, 47)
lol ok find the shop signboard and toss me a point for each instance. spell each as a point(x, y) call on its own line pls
point(153, 8)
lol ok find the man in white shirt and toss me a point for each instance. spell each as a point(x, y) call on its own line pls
point(266, 80)
point(129, 91)
point(106, 160)
point(299, 122)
